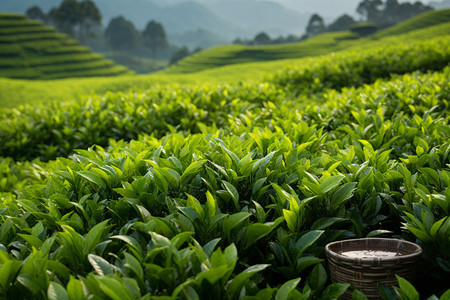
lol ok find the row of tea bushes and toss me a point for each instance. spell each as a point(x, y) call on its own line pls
point(56, 129)
point(358, 67)
point(244, 211)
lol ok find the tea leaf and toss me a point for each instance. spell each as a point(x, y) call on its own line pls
point(286, 289)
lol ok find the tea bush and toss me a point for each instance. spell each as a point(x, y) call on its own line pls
point(225, 192)
point(56, 129)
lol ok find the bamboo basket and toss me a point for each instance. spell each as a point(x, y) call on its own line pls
point(368, 263)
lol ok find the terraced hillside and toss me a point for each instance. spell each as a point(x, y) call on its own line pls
point(237, 54)
point(318, 45)
point(424, 20)
point(30, 50)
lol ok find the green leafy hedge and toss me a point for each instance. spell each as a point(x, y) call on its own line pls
point(365, 66)
point(230, 192)
point(57, 129)
point(240, 212)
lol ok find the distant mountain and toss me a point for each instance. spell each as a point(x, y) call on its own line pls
point(189, 16)
point(256, 16)
point(197, 38)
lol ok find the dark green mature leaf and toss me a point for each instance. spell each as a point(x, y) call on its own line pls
point(258, 184)
point(238, 282)
point(233, 221)
point(257, 231)
point(318, 278)
point(209, 247)
point(387, 292)
point(334, 291)
point(324, 223)
point(307, 261)
point(343, 194)
point(306, 240)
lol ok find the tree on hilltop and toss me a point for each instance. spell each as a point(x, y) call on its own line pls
point(90, 21)
point(262, 38)
point(66, 16)
point(75, 18)
point(121, 34)
point(342, 23)
point(36, 13)
point(316, 25)
point(370, 10)
point(154, 37)
point(391, 12)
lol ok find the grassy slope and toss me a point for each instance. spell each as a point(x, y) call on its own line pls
point(238, 54)
point(17, 92)
point(319, 45)
point(427, 19)
point(30, 50)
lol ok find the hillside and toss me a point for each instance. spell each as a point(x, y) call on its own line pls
point(318, 45)
point(17, 92)
point(30, 50)
point(237, 54)
point(424, 20)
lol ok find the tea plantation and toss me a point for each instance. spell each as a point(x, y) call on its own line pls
point(30, 50)
point(231, 191)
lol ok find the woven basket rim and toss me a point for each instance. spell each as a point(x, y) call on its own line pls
point(417, 252)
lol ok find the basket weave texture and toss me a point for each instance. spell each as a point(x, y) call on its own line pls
point(368, 273)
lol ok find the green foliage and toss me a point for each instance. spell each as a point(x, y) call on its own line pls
point(30, 50)
point(362, 67)
point(227, 191)
point(429, 18)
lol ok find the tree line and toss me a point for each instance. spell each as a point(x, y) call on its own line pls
point(374, 15)
point(82, 20)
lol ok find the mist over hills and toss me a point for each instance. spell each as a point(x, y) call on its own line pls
point(256, 16)
point(217, 21)
point(206, 23)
